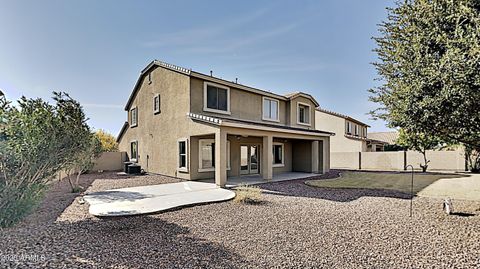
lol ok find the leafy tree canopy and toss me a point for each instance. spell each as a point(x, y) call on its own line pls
point(429, 64)
point(107, 140)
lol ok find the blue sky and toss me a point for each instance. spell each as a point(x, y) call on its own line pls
point(95, 49)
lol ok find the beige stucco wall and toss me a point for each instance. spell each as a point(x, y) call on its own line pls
point(439, 160)
point(382, 160)
point(292, 108)
point(158, 134)
point(110, 161)
point(395, 160)
point(344, 160)
point(243, 105)
point(338, 143)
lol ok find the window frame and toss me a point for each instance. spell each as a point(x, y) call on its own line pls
point(349, 128)
point(183, 168)
point(136, 117)
point(309, 114)
point(263, 109)
point(200, 163)
point(156, 110)
point(283, 154)
point(206, 108)
point(136, 151)
point(355, 130)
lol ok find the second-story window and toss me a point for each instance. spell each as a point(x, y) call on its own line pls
point(133, 117)
point(216, 98)
point(303, 112)
point(356, 129)
point(270, 109)
point(156, 104)
point(348, 128)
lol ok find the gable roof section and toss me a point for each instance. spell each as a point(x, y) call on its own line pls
point(293, 95)
point(189, 72)
point(342, 116)
point(122, 131)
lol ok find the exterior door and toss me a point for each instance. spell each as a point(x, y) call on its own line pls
point(249, 159)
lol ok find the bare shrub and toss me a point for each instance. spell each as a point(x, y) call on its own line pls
point(248, 194)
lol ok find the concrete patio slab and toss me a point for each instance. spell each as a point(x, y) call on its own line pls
point(154, 198)
point(464, 188)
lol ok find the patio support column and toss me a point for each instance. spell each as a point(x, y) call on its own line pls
point(220, 158)
point(267, 158)
point(326, 155)
point(315, 156)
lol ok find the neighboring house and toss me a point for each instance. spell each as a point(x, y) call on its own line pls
point(382, 139)
point(351, 135)
point(195, 126)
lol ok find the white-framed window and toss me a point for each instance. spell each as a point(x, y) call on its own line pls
point(156, 104)
point(182, 155)
point(270, 109)
point(303, 113)
point(365, 134)
point(133, 117)
point(356, 129)
point(206, 155)
point(278, 154)
point(134, 151)
point(349, 127)
point(216, 98)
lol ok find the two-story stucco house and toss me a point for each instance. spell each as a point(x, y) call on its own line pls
point(351, 135)
point(195, 126)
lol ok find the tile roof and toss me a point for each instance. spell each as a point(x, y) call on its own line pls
point(387, 137)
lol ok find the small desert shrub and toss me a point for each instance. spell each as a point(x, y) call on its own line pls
point(247, 194)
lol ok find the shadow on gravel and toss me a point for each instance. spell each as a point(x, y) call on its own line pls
point(463, 214)
point(133, 242)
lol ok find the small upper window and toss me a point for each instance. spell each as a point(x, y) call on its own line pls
point(356, 129)
point(278, 154)
point(156, 104)
point(303, 114)
point(349, 128)
point(182, 155)
point(270, 109)
point(216, 98)
point(134, 151)
point(149, 77)
point(133, 117)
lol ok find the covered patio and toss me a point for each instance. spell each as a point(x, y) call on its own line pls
point(246, 152)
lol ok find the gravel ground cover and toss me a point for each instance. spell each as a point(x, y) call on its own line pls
point(295, 226)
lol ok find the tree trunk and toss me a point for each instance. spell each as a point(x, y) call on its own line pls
point(72, 187)
point(77, 185)
point(425, 161)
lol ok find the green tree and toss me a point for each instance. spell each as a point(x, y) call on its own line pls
point(83, 160)
point(419, 142)
point(428, 53)
point(37, 139)
point(107, 140)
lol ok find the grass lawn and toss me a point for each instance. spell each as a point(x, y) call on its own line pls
point(377, 180)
